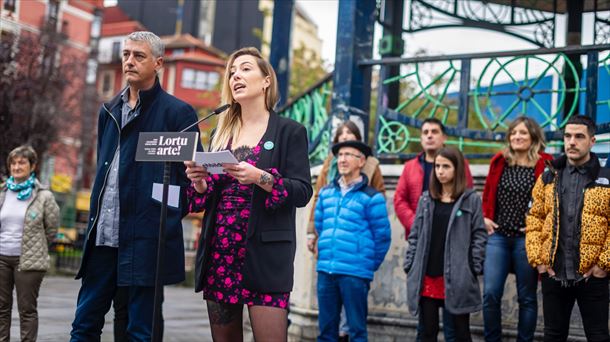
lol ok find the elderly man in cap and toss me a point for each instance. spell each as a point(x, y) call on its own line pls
point(354, 235)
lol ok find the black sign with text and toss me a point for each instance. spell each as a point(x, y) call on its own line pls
point(165, 146)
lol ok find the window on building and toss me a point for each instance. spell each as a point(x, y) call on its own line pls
point(200, 80)
point(53, 13)
point(6, 46)
point(178, 52)
point(9, 5)
point(106, 86)
point(106, 83)
point(116, 52)
point(188, 78)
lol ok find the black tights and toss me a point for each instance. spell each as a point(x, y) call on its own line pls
point(428, 319)
point(268, 323)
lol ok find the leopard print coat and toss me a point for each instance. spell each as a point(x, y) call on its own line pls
point(542, 232)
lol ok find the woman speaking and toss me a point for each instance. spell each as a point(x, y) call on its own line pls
point(247, 245)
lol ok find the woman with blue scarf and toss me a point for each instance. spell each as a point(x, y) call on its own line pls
point(29, 217)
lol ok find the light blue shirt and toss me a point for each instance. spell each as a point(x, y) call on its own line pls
point(110, 210)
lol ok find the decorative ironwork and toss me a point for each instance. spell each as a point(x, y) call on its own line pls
point(534, 26)
point(504, 85)
point(393, 136)
point(601, 31)
point(524, 91)
point(311, 109)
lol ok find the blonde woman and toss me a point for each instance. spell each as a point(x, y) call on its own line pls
point(507, 193)
point(246, 250)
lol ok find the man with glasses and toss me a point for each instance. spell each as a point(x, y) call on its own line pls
point(354, 235)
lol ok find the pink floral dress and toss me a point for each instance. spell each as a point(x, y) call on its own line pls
point(223, 278)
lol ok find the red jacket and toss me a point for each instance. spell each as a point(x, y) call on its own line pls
point(496, 167)
point(409, 189)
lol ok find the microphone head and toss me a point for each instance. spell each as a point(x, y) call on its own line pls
point(221, 108)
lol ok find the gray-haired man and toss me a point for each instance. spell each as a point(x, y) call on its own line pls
point(121, 240)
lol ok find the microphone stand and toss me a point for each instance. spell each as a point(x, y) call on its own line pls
point(157, 325)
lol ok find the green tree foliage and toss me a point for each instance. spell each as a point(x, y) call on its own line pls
point(306, 70)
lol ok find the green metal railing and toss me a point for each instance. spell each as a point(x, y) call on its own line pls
point(447, 88)
point(312, 109)
point(465, 93)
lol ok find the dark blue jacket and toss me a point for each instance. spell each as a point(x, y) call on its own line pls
point(354, 230)
point(139, 213)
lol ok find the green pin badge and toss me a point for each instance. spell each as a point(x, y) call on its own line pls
point(459, 213)
point(268, 145)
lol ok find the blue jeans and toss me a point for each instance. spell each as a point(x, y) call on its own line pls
point(98, 288)
point(448, 328)
point(503, 254)
point(351, 292)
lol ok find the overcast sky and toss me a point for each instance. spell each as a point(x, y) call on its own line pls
point(444, 41)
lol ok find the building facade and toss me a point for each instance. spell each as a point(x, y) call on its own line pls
point(63, 36)
point(227, 25)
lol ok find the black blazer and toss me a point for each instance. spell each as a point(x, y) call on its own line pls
point(271, 237)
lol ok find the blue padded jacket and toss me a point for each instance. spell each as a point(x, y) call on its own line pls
point(354, 230)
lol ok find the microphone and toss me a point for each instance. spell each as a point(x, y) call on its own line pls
point(214, 112)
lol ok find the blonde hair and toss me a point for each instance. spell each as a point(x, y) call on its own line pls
point(229, 122)
point(537, 136)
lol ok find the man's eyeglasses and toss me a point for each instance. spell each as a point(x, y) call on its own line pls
point(349, 155)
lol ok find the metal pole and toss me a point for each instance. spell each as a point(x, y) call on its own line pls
point(591, 83)
point(279, 55)
point(157, 328)
point(351, 82)
point(574, 11)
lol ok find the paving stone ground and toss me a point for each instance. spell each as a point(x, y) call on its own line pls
point(184, 313)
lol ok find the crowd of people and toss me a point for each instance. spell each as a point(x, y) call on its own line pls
point(540, 218)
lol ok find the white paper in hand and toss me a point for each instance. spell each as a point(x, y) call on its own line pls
point(213, 160)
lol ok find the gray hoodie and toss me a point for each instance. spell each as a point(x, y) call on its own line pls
point(464, 253)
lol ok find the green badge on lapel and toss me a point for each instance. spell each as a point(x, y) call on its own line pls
point(33, 215)
point(268, 145)
point(459, 213)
